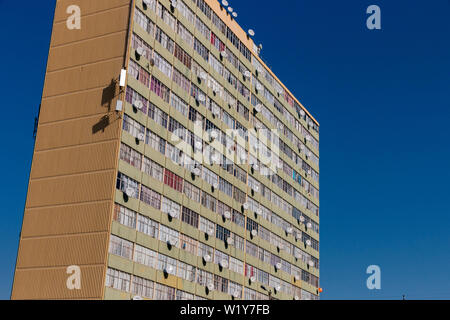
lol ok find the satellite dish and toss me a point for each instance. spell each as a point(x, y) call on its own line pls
point(230, 9)
point(236, 294)
point(308, 242)
point(302, 113)
point(225, 3)
point(227, 215)
point(254, 233)
point(247, 74)
point(141, 136)
point(173, 213)
point(203, 75)
point(210, 286)
point(289, 230)
point(259, 87)
point(197, 172)
point(138, 298)
point(214, 134)
point(309, 225)
point(296, 298)
point(257, 190)
point(207, 257)
point(224, 263)
point(258, 107)
point(243, 157)
point(140, 51)
point(251, 32)
point(234, 14)
point(311, 263)
point(246, 206)
point(210, 231)
point(215, 185)
point(173, 3)
point(215, 159)
point(302, 218)
point(259, 211)
point(278, 265)
point(253, 279)
point(224, 54)
point(138, 104)
point(201, 98)
point(230, 240)
point(129, 192)
point(297, 277)
point(198, 145)
point(297, 255)
point(278, 288)
point(169, 269)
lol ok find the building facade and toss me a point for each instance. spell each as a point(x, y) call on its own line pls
point(195, 178)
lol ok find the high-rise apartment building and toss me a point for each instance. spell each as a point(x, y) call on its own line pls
point(195, 175)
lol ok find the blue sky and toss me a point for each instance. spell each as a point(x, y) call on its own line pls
point(381, 97)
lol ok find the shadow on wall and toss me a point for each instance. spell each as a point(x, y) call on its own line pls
point(108, 95)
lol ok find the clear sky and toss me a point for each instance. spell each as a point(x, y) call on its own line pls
point(382, 98)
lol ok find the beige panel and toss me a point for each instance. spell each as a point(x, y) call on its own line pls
point(106, 48)
point(51, 284)
point(71, 189)
point(88, 7)
point(80, 159)
point(69, 219)
point(62, 251)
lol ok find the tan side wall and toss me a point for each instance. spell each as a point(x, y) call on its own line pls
point(68, 211)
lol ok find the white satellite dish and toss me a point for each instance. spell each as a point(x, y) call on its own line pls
point(296, 298)
point(230, 9)
point(138, 298)
point(289, 230)
point(210, 231)
point(309, 225)
point(308, 242)
point(278, 288)
point(173, 212)
point(297, 277)
point(258, 107)
point(214, 134)
point(197, 172)
point(203, 75)
point(140, 51)
point(302, 218)
point(174, 3)
point(207, 257)
point(259, 211)
point(201, 98)
point(297, 255)
point(254, 233)
point(138, 104)
point(247, 74)
point(230, 240)
point(278, 265)
point(224, 54)
point(198, 145)
point(311, 263)
point(302, 113)
point(227, 215)
point(129, 192)
point(253, 279)
point(225, 3)
point(235, 14)
point(215, 185)
point(224, 263)
point(141, 136)
point(259, 87)
point(169, 269)
point(246, 206)
point(251, 32)
point(236, 294)
point(210, 286)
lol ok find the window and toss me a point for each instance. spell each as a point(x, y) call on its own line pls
point(238, 218)
point(130, 156)
point(163, 65)
point(188, 244)
point(236, 265)
point(167, 264)
point(225, 187)
point(167, 234)
point(120, 247)
point(186, 272)
point(148, 226)
point(159, 116)
point(142, 287)
point(125, 216)
point(205, 224)
point(182, 55)
point(145, 256)
point(169, 206)
point(132, 126)
point(190, 217)
point(208, 201)
point(153, 169)
point(163, 292)
point(126, 184)
point(164, 40)
point(173, 180)
point(150, 197)
point(201, 49)
point(118, 280)
point(132, 96)
point(185, 35)
point(191, 191)
point(222, 233)
point(156, 142)
point(160, 89)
